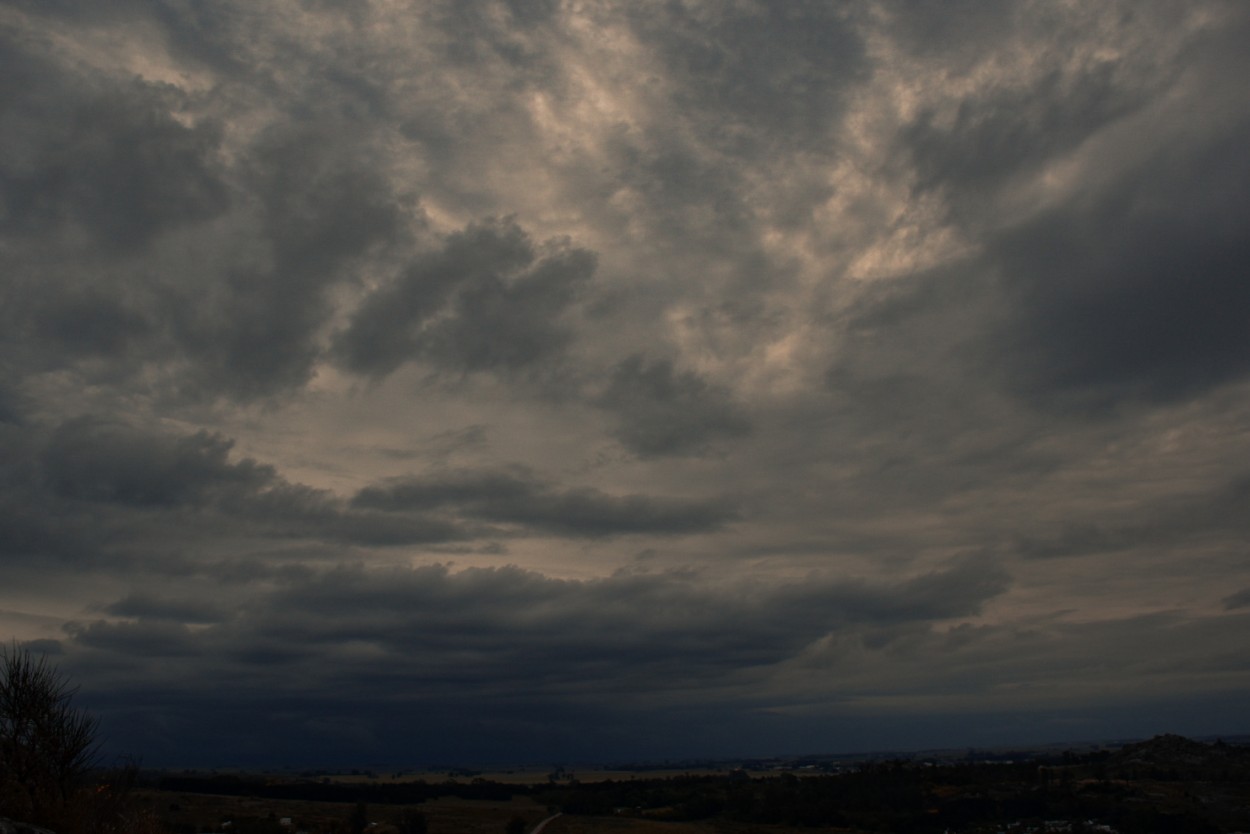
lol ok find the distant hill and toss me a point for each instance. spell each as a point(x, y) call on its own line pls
point(1177, 757)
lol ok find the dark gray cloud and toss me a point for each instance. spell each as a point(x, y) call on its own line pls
point(10, 405)
point(596, 624)
point(531, 656)
point(1140, 293)
point(145, 638)
point(489, 300)
point(1135, 296)
point(959, 28)
point(98, 493)
point(1129, 288)
point(1181, 518)
point(141, 606)
point(517, 497)
point(102, 493)
point(32, 525)
point(664, 411)
point(87, 322)
point(788, 304)
point(95, 172)
point(81, 153)
point(30, 531)
point(1012, 131)
point(752, 76)
point(322, 210)
point(1076, 539)
point(89, 459)
point(520, 641)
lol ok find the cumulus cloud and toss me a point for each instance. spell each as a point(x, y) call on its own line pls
point(104, 492)
point(108, 171)
point(662, 411)
point(518, 498)
point(92, 460)
point(738, 94)
point(89, 155)
point(321, 211)
point(141, 606)
point(488, 299)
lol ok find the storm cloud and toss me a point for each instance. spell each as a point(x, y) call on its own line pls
point(489, 299)
point(517, 497)
point(664, 412)
point(463, 382)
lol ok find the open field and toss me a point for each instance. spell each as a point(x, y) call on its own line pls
point(525, 775)
point(622, 825)
point(183, 813)
point(188, 812)
point(1166, 784)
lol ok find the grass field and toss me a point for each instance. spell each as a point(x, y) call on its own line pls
point(185, 813)
point(521, 776)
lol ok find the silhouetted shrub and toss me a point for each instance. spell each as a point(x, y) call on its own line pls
point(48, 756)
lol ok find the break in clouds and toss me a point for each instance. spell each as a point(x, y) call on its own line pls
point(431, 381)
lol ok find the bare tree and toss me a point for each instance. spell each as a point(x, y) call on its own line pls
point(47, 745)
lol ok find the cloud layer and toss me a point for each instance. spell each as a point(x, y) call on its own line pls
point(431, 381)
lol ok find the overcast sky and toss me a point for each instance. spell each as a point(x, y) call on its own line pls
point(545, 380)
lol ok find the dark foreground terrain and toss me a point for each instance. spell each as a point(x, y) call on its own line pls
point(1168, 784)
